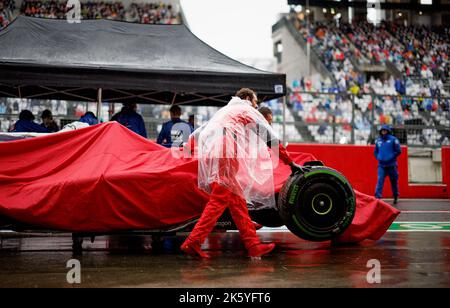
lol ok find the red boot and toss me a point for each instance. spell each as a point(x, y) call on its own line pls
point(194, 250)
point(257, 225)
point(260, 250)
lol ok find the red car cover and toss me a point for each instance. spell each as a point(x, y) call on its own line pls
point(107, 178)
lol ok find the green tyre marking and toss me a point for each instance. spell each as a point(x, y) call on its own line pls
point(293, 194)
point(340, 177)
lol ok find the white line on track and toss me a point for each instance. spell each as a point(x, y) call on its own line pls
point(419, 230)
point(420, 200)
point(423, 212)
point(284, 229)
point(421, 222)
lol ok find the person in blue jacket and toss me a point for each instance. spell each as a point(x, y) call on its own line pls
point(129, 118)
point(26, 124)
point(48, 121)
point(176, 131)
point(89, 118)
point(387, 149)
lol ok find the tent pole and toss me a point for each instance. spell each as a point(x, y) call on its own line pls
point(99, 102)
point(284, 119)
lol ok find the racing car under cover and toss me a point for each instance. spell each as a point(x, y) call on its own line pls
point(105, 178)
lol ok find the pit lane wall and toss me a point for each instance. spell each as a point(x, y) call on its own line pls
point(359, 165)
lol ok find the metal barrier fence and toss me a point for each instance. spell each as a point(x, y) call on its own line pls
point(311, 117)
point(65, 112)
point(355, 119)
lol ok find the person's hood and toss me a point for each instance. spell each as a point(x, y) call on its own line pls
point(385, 127)
point(237, 100)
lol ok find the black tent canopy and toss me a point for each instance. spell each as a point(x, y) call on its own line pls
point(111, 61)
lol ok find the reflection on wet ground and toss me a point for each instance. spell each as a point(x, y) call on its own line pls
point(408, 259)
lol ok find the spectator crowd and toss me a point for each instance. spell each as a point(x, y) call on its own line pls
point(7, 8)
point(418, 53)
point(147, 13)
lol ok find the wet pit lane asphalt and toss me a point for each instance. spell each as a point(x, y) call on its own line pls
point(414, 253)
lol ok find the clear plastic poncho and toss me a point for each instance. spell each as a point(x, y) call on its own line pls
point(233, 151)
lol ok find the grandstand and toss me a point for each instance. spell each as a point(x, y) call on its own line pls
point(154, 12)
point(7, 12)
point(347, 75)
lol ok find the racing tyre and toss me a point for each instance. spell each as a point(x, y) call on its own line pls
point(317, 204)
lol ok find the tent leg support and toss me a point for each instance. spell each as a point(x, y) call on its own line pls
point(157, 243)
point(77, 244)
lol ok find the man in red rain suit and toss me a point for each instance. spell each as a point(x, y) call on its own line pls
point(221, 179)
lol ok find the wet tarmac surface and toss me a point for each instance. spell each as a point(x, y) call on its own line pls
point(408, 259)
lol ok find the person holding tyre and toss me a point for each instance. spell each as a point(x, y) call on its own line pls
point(235, 166)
